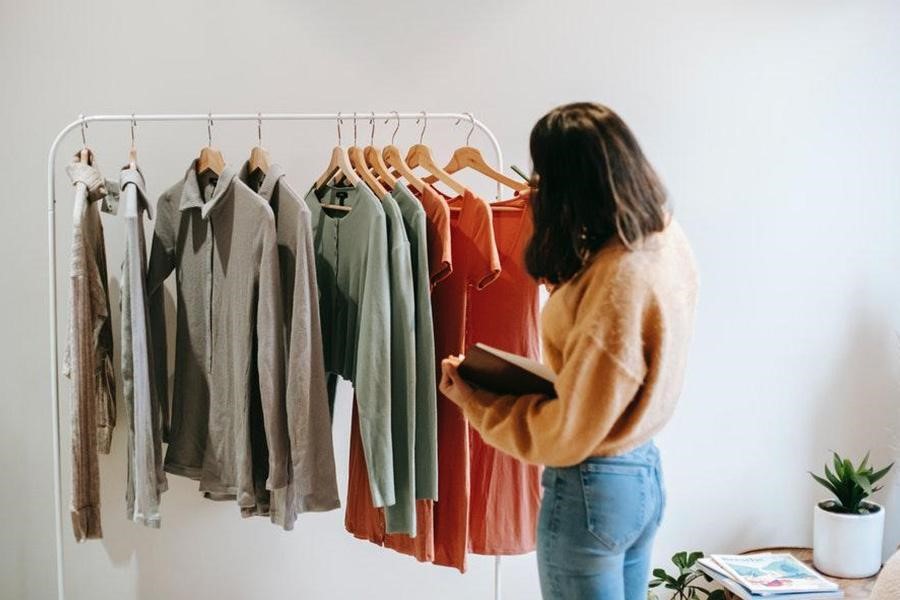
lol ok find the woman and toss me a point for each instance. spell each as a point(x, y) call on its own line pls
point(615, 330)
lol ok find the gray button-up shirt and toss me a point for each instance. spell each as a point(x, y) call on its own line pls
point(313, 484)
point(143, 406)
point(219, 237)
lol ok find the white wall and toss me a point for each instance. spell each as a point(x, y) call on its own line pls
point(774, 124)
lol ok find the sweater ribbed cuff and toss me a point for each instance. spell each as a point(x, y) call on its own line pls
point(86, 523)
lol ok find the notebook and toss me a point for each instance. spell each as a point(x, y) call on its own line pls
point(502, 372)
point(769, 575)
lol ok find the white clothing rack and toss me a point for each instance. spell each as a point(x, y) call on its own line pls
point(210, 118)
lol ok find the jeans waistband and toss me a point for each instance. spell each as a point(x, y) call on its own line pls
point(645, 454)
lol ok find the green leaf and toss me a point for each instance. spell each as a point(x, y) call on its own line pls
point(838, 464)
point(865, 461)
point(680, 559)
point(878, 475)
point(827, 484)
point(717, 595)
point(831, 476)
point(693, 557)
point(660, 573)
point(861, 482)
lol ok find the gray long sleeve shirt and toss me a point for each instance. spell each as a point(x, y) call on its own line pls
point(219, 237)
point(313, 484)
point(143, 407)
point(352, 268)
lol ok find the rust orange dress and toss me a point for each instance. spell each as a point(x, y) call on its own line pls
point(505, 492)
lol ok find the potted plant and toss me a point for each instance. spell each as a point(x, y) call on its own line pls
point(684, 583)
point(848, 530)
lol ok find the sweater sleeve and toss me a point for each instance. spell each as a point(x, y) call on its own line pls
point(593, 389)
point(603, 366)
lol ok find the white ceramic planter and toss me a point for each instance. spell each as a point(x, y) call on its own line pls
point(847, 546)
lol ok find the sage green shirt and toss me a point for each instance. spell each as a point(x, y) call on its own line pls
point(426, 366)
point(352, 268)
point(401, 517)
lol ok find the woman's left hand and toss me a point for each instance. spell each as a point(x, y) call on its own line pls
point(452, 385)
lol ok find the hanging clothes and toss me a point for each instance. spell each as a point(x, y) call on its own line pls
point(505, 492)
point(443, 526)
point(360, 518)
point(313, 486)
point(88, 358)
point(352, 268)
point(219, 237)
point(143, 405)
point(401, 518)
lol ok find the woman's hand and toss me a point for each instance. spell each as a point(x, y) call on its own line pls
point(452, 385)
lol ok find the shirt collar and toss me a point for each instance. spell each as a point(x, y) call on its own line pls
point(134, 176)
point(191, 196)
point(267, 188)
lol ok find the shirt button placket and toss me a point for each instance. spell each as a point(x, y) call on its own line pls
point(209, 298)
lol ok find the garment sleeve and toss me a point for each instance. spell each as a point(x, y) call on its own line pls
point(603, 368)
point(372, 374)
point(478, 225)
point(270, 357)
point(309, 416)
point(159, 267)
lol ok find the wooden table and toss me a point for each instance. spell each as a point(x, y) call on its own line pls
point(853, 588)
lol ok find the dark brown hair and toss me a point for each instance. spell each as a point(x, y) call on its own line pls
point(591, 183)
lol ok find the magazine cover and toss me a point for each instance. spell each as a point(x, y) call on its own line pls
point(773, 573)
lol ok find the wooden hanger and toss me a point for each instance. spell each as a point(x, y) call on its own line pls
point(359, 164)
point(420, 156)
point(259, 157)
point(470, 157)
point(394, 159)
point(210, 159)
point(339, 163)
point(375, 162)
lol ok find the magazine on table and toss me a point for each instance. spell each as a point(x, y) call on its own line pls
point(770, 575)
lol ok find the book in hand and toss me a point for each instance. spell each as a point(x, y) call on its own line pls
point(502, 372)
point(768, 575)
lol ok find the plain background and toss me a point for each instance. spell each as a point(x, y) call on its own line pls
point(774, 125)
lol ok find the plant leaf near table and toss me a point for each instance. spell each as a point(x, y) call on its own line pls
point(685, 584)
point(850, 485)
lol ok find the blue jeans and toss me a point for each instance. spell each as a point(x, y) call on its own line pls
point(596, 527)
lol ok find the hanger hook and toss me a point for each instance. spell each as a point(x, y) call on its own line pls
point(372, 133)
point(209, 124)
point(471, 129)
point(424, 127)
point(83, 127)
point(339, 121)
point(397, 128)
point(133, 125)
point(259, 128)
point(354, 128)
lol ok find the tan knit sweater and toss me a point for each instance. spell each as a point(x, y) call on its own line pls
point(617, 336)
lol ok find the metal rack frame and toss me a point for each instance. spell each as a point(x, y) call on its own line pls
point(133, 119)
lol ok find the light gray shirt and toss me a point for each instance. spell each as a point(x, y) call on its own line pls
point(219, 237)
point(313, 484)
point(143, 407)
point(352, 268)
point(425, 375)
